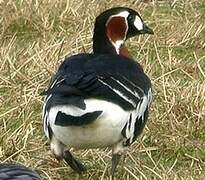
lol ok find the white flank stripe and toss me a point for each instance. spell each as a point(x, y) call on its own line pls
point(127, 133)
point(119, 93)
point(133, 84)
point(45, 116)
point(149, 97)
point(57, 83)
point(134, 93)
point(54, 82)
point(44, 105)
point(132, 129)
point(137, 114)
point(143, 107)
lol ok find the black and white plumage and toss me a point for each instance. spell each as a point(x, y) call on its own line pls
point(100, 99)
point(17, 172)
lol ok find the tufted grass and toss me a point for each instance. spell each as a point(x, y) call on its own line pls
point(35, 36)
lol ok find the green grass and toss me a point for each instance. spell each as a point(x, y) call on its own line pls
point(35, 36)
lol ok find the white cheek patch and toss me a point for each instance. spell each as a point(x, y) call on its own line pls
point(138, 23)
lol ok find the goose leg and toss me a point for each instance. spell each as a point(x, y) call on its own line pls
point(117, 150)
point(115, 162)
point(61, 152)
point(73, 163)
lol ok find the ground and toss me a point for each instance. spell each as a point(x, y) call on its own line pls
point(35, 36)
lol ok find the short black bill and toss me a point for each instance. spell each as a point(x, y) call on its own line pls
point(146, 30)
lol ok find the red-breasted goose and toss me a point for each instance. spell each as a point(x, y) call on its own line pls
point(99, 99)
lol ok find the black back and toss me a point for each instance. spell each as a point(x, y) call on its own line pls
point(81, 76)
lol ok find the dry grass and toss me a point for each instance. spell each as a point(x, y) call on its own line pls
point(36, 35)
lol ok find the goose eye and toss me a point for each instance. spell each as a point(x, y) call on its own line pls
point(131, 18)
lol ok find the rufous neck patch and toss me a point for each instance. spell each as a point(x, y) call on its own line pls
point(116, 30)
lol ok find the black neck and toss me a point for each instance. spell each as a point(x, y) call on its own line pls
point(101, 43)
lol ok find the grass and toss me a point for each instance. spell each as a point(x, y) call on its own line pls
point(35, 36)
